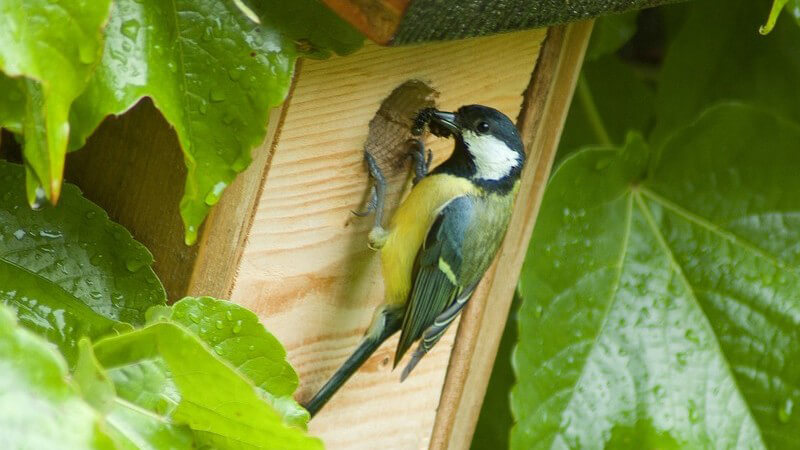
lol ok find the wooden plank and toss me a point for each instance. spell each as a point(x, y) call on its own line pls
point(306, 269)
point(542, 118)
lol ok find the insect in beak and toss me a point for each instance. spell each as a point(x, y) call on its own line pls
point(444, 121)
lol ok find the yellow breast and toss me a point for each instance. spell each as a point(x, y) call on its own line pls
point(410, 224)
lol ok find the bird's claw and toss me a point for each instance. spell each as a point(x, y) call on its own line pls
point(371, 206)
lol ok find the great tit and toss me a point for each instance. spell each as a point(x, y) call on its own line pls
point(443, 236)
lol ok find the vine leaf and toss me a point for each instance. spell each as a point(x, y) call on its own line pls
point(236, 336)
point(661, 301)
point(68, 270)
point(51, 50)
point(166, 369)
point(38, 406)
point(212, 72)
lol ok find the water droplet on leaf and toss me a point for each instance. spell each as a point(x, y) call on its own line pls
point(216, 192)
point(191, 235)
point(235, 73)
point(134, 264)
point(50, 234)
point(217, 95)
point(241, 162)
point(130, 28)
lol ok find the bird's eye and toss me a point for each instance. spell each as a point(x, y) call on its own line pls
point(482, 127)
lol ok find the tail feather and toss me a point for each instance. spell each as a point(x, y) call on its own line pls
point(415, 358)
point(373, 340)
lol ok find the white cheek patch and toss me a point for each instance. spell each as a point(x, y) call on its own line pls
point(493, 159)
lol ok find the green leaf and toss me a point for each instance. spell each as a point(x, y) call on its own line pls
point(12, 103)
point(610, 33)
point(610, 100)
point(661, 302)
point(39, 408)
point(718, 55)
point(68, 270)
point(220, 406)
point(93, 383)
point(793, 6)
point(133, 428)
point(130, 426)
point(212, 72)
point(236, 336)
point(55, 47)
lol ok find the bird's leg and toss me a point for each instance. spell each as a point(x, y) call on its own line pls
point(422, 160)
point(377, 236)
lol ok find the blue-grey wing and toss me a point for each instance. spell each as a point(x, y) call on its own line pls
point(436, 281)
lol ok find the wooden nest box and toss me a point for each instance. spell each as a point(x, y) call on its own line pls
point(283, 241)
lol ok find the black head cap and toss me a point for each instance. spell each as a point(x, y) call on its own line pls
point(481, 120)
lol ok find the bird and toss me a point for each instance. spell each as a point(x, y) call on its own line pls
point(442, 238)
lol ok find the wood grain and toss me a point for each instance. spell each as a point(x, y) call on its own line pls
point(541, 120)
point(306, 269)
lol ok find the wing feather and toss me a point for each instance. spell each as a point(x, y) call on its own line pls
point(436, 275)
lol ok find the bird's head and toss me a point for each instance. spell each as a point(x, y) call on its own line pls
point(487, 136)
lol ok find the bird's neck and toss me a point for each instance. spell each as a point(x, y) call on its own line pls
point(462, 164)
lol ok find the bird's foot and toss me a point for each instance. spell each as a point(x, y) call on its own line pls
point(422, 160)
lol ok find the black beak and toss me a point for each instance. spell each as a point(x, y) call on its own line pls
point(446, 120)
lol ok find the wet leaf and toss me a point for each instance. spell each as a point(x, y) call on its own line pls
point(51, 49)
point(68, 270)
point(236, 336)
point(661, 303)
point(39, 407)
point(183, 379)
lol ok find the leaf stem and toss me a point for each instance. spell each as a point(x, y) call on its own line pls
point(590, 108)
